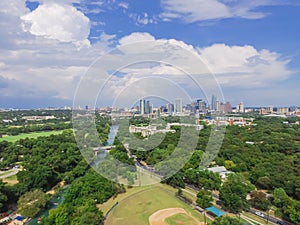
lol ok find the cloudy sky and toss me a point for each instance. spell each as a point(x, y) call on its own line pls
point(250, 48)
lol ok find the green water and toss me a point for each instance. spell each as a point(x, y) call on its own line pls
point(54, 202)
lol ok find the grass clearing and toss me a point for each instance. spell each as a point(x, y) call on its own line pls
point(180, 219)
point(136, 206)
point(30, 135)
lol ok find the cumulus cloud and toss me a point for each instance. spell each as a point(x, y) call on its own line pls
point(244, 65)
point(233, 66)
point(201, 10)
point(55, 21)
point(39, 64)
point(135, 37)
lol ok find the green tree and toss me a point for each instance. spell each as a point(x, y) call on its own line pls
point(234, 191)
point(3, 197)
point(204, 199)
point(226, 220)
point(30, 204)
point(280, 197)
point(259, 200)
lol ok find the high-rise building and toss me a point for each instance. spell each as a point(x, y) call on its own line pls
point(283, 110)
point(142, 106)
point(178, 105)
point(170, 108)
point(218, 106)
point(213, 102)
point(240, 108)
point(202, 106)
point(228, 107)
point(147, 107)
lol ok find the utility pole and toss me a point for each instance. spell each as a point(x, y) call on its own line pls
point(268, 216)
point(204, 218)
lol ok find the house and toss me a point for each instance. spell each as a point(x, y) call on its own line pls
point(221, 170)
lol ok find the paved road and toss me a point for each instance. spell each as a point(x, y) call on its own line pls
point(252, 210)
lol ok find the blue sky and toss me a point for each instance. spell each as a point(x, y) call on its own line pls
point(47, 46)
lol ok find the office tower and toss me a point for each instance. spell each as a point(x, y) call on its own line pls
point(202, 106)
point(178, 105)
point(147, 107)
point(228, 107)
point(170, 108)
point(240, 108)
point(218, 106)
point(213, 102)
point(198, 103)
point(269, 109)
point(142, 106)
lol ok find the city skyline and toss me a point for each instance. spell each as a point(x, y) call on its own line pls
point(252, 49)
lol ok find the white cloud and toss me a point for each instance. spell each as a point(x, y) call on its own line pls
point(37, 66)
point(136, 37)
point(13, 8)
point(57, 1)
point(194, 10)
point(244, 66)
point(201, 10)
point(55, 21)
point(142, 19)
point(124, 5)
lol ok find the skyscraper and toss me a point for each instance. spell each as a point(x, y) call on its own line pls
point(147, 107)
point(213, 102)
point(240, 108)
point(228, 108)
point(178, 105)
point(170, 108)
point(142, 106)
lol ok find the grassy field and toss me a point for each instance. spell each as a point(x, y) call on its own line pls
point(180, 219)
point(30, 135)
point(138, 204)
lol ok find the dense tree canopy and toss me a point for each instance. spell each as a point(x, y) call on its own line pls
point(30, 204)
point(226, 220)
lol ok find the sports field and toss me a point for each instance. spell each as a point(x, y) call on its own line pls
point(30, 135)
point(136, 207)
point(182, 219)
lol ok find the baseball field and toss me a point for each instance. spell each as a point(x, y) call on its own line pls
point(154, 205)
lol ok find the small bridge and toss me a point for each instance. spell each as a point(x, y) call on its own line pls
point(102, 148)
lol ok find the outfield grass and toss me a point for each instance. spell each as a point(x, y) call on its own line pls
point(180, 219)
point(30, 135)
point(136, 206)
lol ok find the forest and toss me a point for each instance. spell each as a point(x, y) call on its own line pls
point(264, 160)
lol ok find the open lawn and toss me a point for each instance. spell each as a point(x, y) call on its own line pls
point(138, 204)
point(180, 219)
point(30, 135)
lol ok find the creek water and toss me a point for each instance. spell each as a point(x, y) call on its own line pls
point(55, 201)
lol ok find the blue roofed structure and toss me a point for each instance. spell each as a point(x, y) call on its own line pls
point(217, 212)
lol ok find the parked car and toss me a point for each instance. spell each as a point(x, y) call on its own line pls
point(259, 214)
